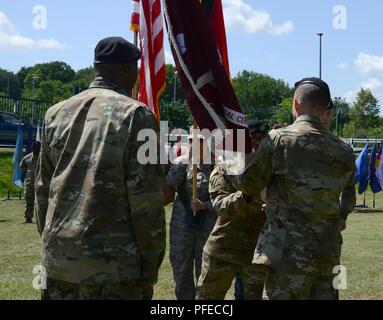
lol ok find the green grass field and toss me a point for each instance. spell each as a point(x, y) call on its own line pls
point(6, 170)
point(20, 251)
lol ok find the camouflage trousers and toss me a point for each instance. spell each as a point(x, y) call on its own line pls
point(29, 196)
point(217, 276)
point(186, 248)
point(129, 290)
point(282, 286)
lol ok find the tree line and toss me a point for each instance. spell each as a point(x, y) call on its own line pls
point(261, 96)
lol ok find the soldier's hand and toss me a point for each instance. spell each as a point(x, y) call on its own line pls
point(263, 209)
point(343, 224)
point(198, 205)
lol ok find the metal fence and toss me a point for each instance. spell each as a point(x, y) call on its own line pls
point(31, 111)
point(358, 144)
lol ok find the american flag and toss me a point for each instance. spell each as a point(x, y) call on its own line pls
point(147, 21)
point(135, 20)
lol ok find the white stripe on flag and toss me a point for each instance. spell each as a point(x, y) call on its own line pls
point(160, 61)
point(157, 27)
point(204, 80)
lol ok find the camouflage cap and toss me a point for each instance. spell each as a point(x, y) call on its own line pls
point(115, 50)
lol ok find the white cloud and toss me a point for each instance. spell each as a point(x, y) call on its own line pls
point(342, 65)
point(11, 39)
point(169, 58)
point(370, 65)
point(283, 28)
point(240, 16)
point(373, 84)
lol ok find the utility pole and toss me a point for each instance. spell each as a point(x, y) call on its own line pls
point(175, 86)
point(320, 54)
point(339, 116)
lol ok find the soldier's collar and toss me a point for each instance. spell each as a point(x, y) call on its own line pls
point(99, 82)
point(309, 118)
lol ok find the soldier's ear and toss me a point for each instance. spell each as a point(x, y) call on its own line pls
point(130, 68)
point(296, 106)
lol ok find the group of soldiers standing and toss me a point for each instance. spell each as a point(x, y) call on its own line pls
point(277, 226)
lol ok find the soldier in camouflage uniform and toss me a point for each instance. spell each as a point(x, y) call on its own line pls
point(348, 194)
point(305, 168)
point(231, 244)
point(102, 238)
point(188, 234)
point(28, 166)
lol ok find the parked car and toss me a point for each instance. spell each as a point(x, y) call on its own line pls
point(9, 125)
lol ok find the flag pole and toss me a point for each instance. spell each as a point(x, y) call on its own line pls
point(135, 88)
point(194, 152)
point(373, 201)
point(364, 200)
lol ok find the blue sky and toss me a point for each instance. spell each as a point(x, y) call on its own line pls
point(268, 36)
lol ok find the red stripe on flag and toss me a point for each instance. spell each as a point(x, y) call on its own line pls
point(152, 72)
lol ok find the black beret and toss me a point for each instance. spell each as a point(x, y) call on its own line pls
point(115, 50)
point(319, 83)
point(258, 126)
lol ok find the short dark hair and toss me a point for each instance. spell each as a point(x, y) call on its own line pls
point(314, 91)
point(310, 93)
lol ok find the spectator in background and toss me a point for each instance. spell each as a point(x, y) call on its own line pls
point(189, 232)
point(28, 165)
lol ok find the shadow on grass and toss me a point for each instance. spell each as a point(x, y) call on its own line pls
point(6, 155)
point(12, 199)
point(368, 210)
point(6, 173)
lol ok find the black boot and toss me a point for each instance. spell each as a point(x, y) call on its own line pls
point(28, 221)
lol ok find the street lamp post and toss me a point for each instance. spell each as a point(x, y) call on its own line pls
point(175, 86)
point(320, 54)
point(339, 116)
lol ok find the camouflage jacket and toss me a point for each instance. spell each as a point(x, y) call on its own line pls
point(28, 165)
point(99, 211)
point(239, 222)
point(305, 168)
